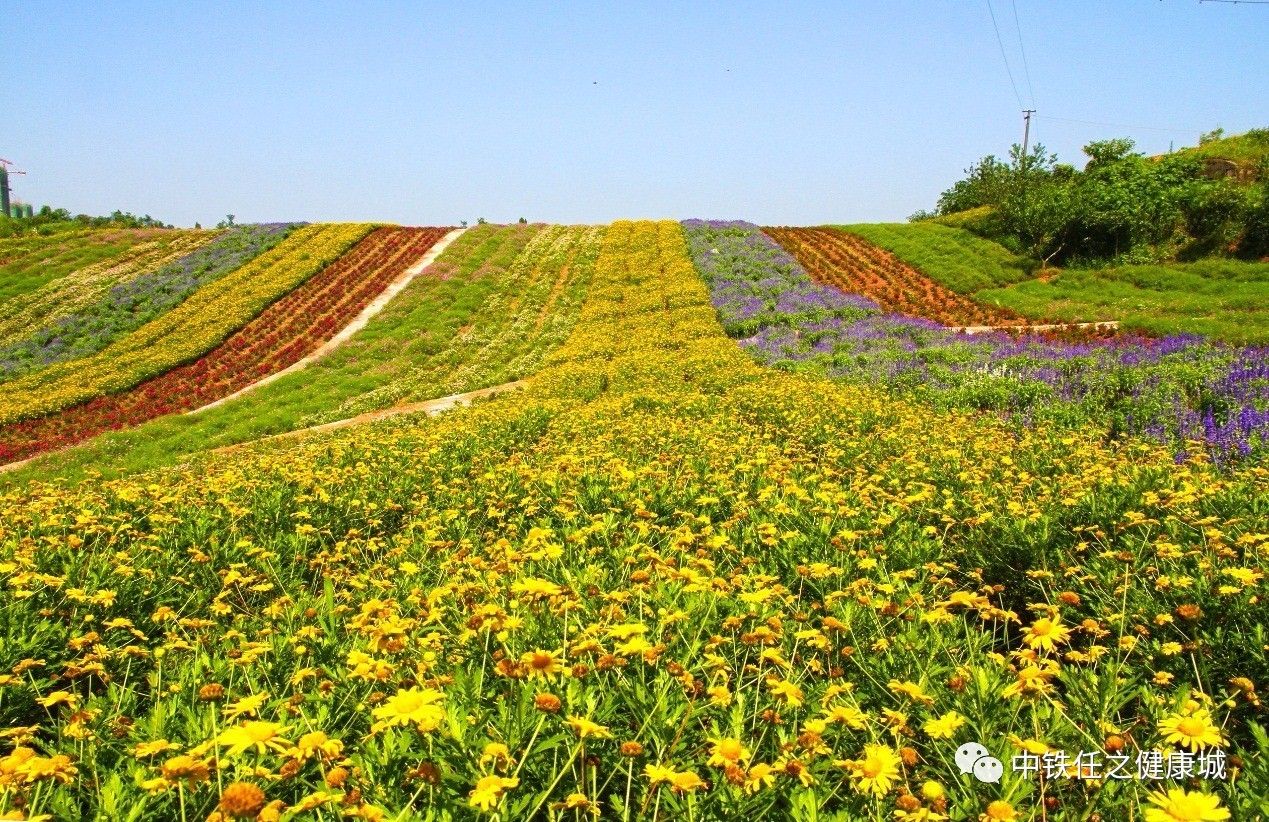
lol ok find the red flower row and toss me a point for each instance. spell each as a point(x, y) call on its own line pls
point(281, 335)
point(856, 266)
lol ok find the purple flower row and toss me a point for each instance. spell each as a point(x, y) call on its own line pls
point(1176, 389)
point(131, 304)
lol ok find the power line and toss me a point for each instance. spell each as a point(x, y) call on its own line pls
point(1239, 2)
point(1001, 43)
point(1025, 69)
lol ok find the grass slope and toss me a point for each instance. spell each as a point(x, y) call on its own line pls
point(31, 261)
point(1248, 149)
point(959, 260)
point(1225, 299)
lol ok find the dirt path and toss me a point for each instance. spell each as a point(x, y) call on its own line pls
point(359, 322)
point(1106, 325)
point(429, 407)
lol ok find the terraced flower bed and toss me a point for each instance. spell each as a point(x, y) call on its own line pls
point(200, 323)
point(1201, 397)
point(855, 266)
point(88, 317)
point(280, 335)
point(26, 313)
point(29, 262)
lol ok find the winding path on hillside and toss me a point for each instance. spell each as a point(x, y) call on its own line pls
point(429, 407)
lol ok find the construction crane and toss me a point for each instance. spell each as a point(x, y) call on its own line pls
point(5, 171)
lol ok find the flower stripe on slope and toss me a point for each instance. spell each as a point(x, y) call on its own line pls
point(281, 335)
point(186, 332)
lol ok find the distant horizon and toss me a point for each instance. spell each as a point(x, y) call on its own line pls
point(807, 113)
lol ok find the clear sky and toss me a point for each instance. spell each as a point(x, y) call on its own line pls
point(421, 113)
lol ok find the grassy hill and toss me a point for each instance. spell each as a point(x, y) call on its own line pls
point(1224, 299)
point(1249, 149)
point(962, 261)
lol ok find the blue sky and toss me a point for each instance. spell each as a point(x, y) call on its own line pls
point(419, 113)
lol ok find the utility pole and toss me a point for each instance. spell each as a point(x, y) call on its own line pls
point(1026, 138)
point(1026, 133)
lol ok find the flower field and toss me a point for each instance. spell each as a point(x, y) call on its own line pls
point(187, 331)
point(1199, 396)
point(279, 336)
point(87, 320)
point(86, 285)
point(487, 311)
point(855, 266)
point(28, 263)
point(663, 583)
point(530, 313)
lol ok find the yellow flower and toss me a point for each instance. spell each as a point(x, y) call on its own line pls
point(248, 705)
point(680, 782)
point(719, 695)
point(727, 751)
point(1245, 576)
point(59, 698)
point(489, 790)
point(541, 663)
point(317, 744)
point(911, 690)
point(786, 690)
point(847, 715)
point(254, 734)
point(1180, 805)
point(421, 706)
point(760, 776)
point(1046, 633)
point(495, 753)
point(876, 771)
point(658, 773)
point(586, 729)
point(1191, 728)
point(999, 811)
point(685, 781)
point(531, 587)
point(624, 632)
point(944, 726)
point(151, 748)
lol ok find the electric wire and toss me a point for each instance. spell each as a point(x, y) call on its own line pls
point(1001, 43)
point(1026, 70)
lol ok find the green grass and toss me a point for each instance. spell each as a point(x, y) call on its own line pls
point(954, 257)
point(31, 261)
point(452, 332)
point(1224, 299)
point(1247, 149)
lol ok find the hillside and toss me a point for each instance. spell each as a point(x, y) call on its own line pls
point(1248, 150)
point(761, 534)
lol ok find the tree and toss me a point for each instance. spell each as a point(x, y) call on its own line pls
point(985, 183)
point(1102, 153)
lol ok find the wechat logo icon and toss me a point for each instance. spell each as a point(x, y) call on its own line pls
point(973, 758)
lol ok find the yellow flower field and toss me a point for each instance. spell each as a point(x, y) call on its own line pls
point(664, 583)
